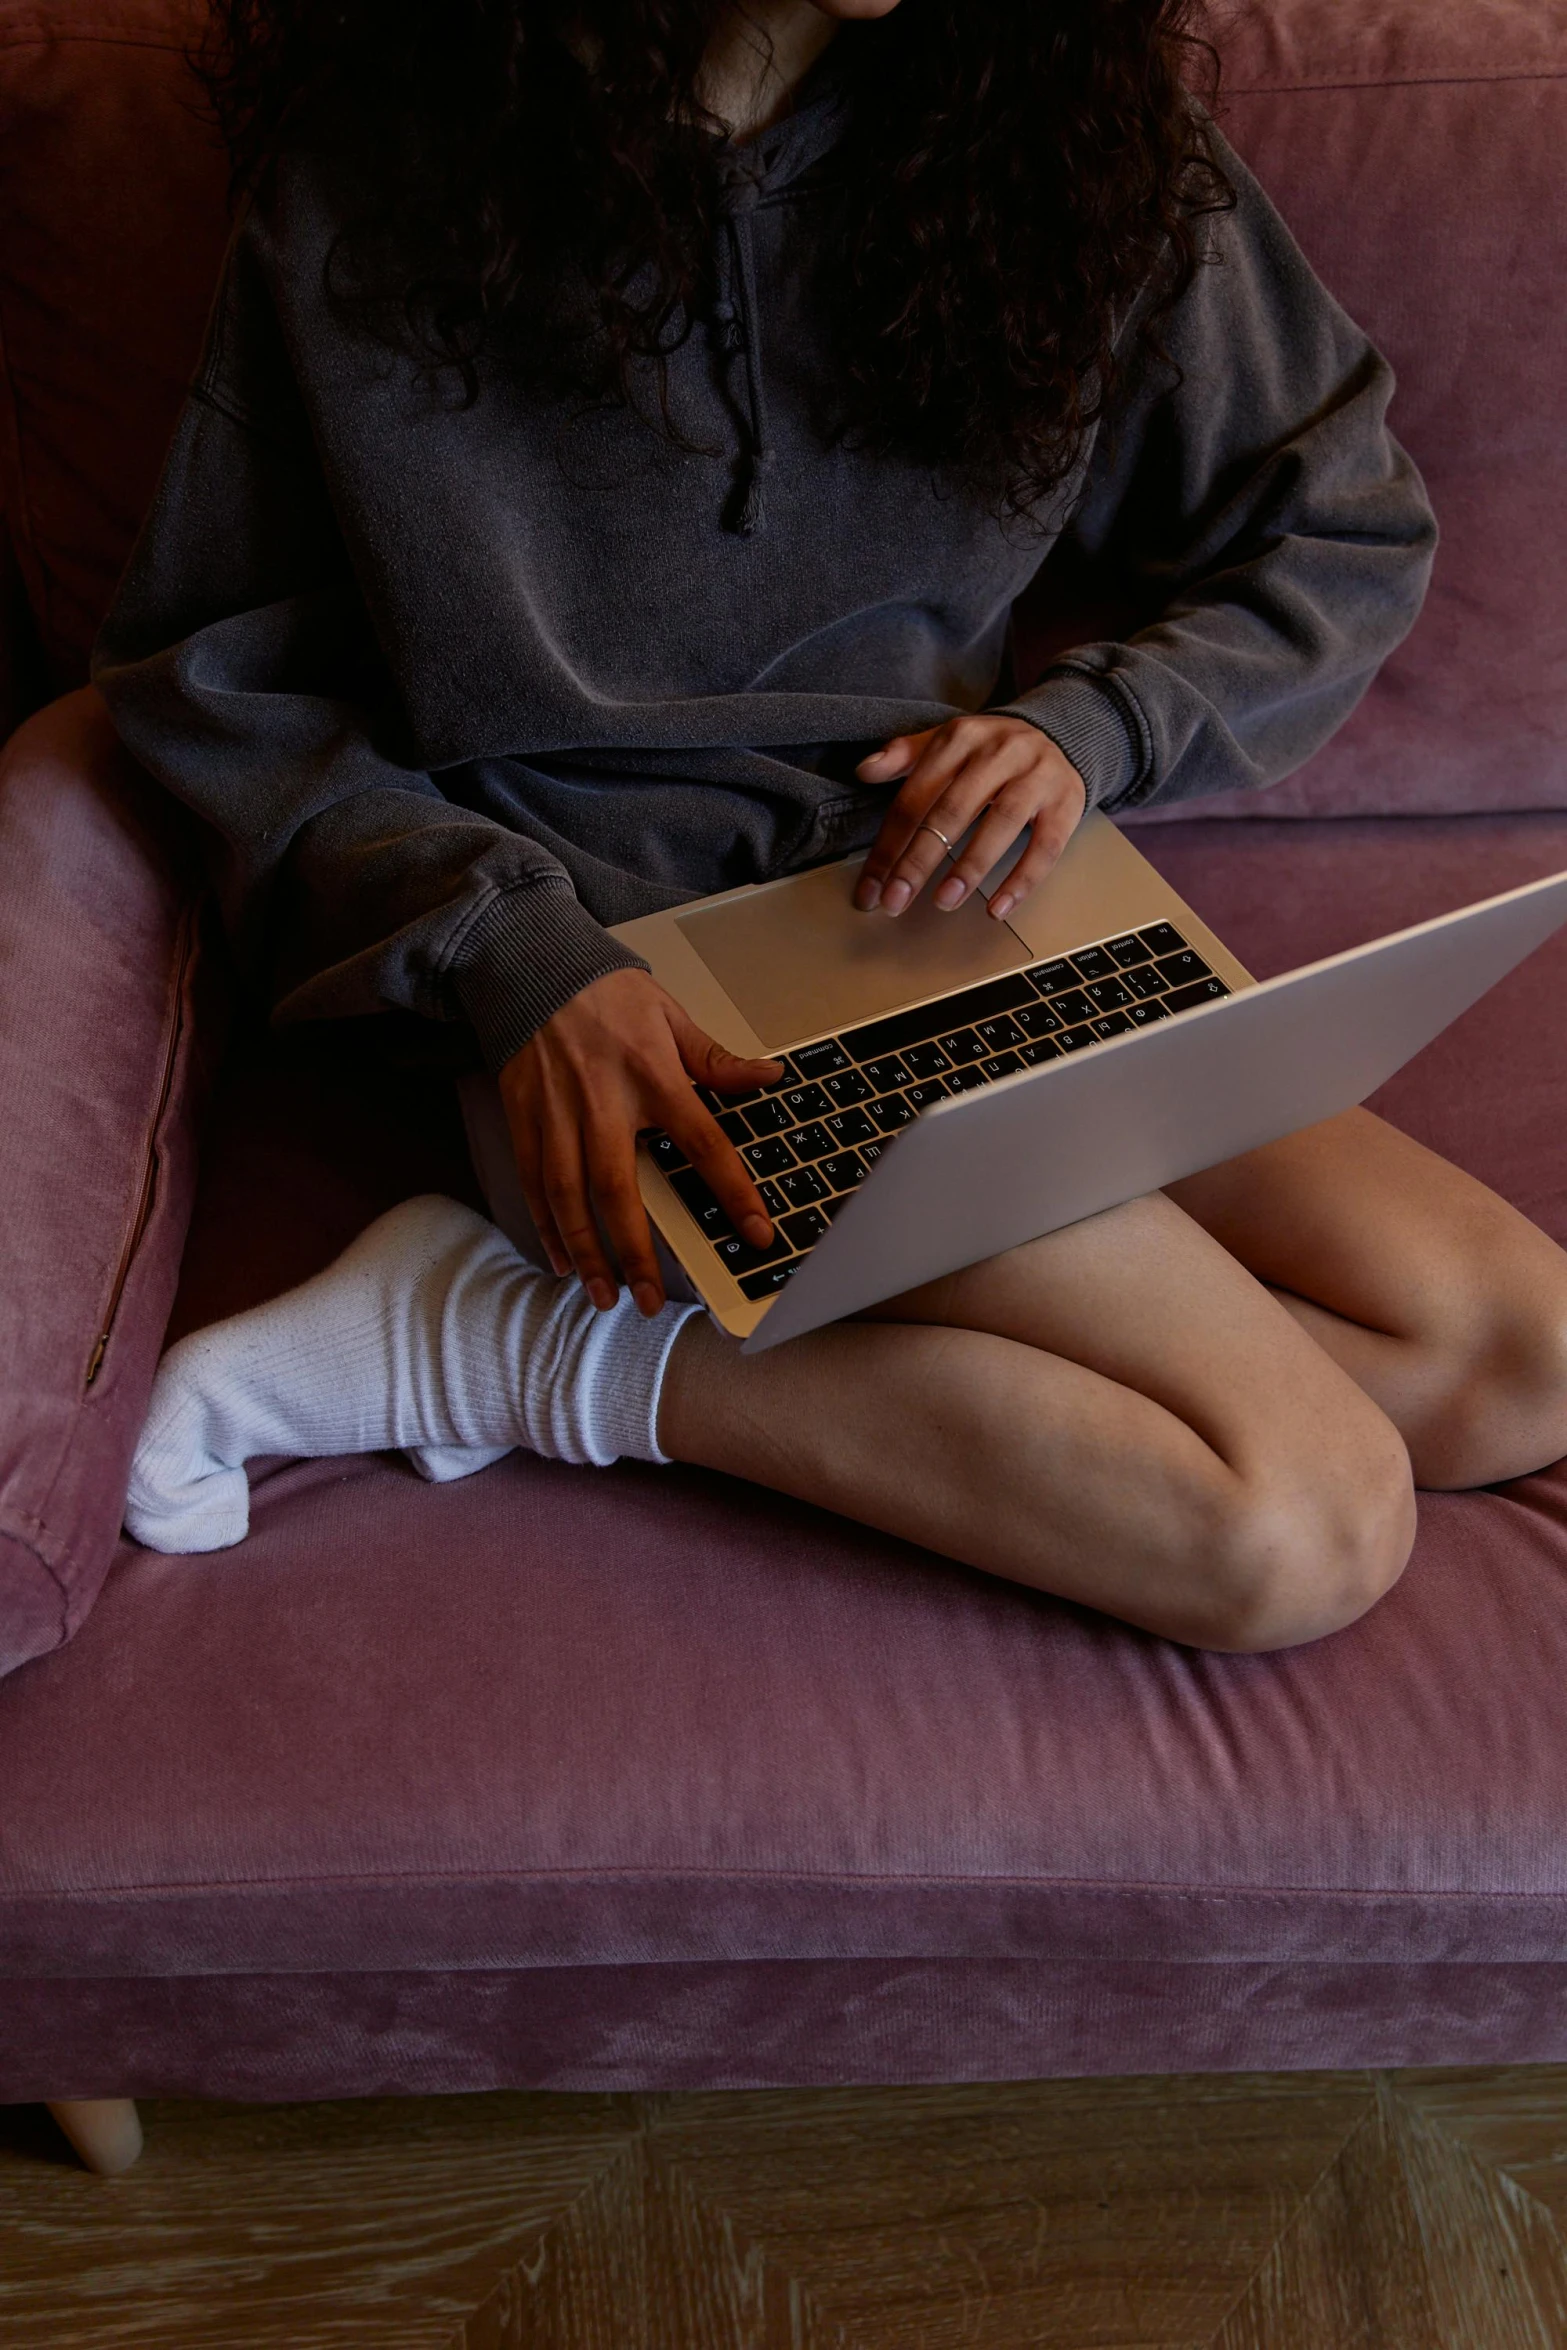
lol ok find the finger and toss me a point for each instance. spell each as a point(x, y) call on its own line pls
point(951, 812)
point(1053, 828)
point(565, 1187)
point(612, 1183)
point(895, 758)
point(944, 757)
point(530, 1175)
point(1011, 804)
point(710, 1063)
point(724, 1172)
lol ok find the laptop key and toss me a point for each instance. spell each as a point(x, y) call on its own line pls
point(740, 1257)
point(1038, 1020)
point(802, 1186)
point(768, 1282)
point(904, 1028)
point(1050, 978)
point(773, 1199)
point(1001, 1065)
point(664, 1152)
point(815, 1060)
point(812, 1142)
point(1144, 1015)
point(805, 1228)
point(1093, 962)
point(766, 1116)
point(844, 1173)
point(1126, 950)
point(771, 1157)
point(1040, 1048)
point(1147, 980)
point(966, 1044)
point(1202, 991)
point(998, 1034)
point(924, 1060)
point(1109, 994)
point(1075, 1039)
point(1161, 938)
point(806, 1101)
point(1072, 1006)
point(920, 1097)
point(1113, 1024)
point(732, 1123)
point(891, 1112)
point(695, 1197)
point(846, 1086)
point(1179, 969)
point(886, 1076)
point(967, 1079)
point(851, 1126)
point(870, 1152)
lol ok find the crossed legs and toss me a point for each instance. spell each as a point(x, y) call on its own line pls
point(1204, 1412)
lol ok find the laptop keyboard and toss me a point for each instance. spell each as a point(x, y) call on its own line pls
point(811, 1139)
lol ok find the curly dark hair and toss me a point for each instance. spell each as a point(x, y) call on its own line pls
point(1016, 171)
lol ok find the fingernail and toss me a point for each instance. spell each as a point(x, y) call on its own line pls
point(757, 1231)
point(602, 1295)
point(895, 897)
point(560, 1265)
point(951, 893)
point(1002, 906)
point(648, 1299)
point(868, 896)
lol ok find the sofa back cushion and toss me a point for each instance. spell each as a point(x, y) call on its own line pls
point(112, 194)
point(1413, 146)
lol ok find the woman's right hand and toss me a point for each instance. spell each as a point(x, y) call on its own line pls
point(617, 1058)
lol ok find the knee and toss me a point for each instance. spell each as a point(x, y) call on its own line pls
point(1295, 1558)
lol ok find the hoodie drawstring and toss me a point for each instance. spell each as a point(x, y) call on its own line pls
point(737, 325)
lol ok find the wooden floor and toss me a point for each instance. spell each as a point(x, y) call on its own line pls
point(1400, 2211)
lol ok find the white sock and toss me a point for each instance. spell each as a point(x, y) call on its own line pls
point(430, 1334)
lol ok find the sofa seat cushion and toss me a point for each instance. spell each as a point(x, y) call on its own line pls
point(553, 1717)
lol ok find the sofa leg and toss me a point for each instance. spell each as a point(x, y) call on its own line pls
point(105, 2131)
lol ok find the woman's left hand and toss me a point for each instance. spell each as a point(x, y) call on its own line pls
point(996, 768)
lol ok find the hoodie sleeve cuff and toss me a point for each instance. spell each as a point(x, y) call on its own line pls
point(531, 950)
point(1086, 718)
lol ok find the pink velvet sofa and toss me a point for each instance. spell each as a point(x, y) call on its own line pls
point(593, 1781)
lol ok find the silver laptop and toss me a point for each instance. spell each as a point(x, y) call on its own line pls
point(957, 1085)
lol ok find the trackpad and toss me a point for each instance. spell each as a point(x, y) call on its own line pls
point(797, 958)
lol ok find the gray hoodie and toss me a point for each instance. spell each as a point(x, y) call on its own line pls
point(455, 688)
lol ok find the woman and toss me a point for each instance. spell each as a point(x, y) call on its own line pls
point(623, 433)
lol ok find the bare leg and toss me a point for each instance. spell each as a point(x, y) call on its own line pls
point(105, 2131)
point(1441, 1301)
point(1118, 1413)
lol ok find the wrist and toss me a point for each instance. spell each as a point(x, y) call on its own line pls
point(529, 952)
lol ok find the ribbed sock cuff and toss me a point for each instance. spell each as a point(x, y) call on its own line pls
point(626, 1390)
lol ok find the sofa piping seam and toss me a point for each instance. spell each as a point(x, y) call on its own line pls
point(593, 1877)
point(1396, 81)
point(11, 1531)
